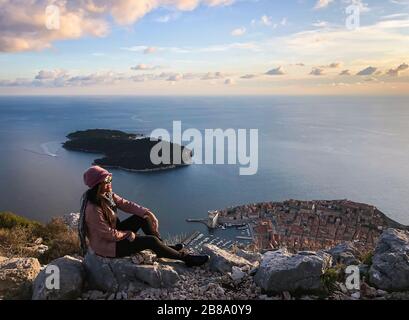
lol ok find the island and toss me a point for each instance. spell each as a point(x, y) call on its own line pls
point(121, 150)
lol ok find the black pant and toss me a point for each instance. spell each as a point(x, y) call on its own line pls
point(151, 240)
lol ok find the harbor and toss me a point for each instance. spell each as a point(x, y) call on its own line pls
point(223, 234)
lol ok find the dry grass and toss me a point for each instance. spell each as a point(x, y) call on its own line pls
point(60, 239)
point(18, 234)
point(14, 241)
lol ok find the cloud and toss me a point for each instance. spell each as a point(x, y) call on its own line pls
point(367, 71)
point(188, 50)
point(395, 16)
point(320, 4)
point(395, 72)
point(238, 32)
point(229, 81)
point(371, 79)
point(376, 39)
point(266, 21)
point(62, 78)
point(213, 76)
point(333, 65)
point(143, 49)
point(150, 50)
point(168, 18)
point(276, 72)
point(175, 77)
point(320, 24)
point(249, 76)
point(214, 3)
point(23, 23)
point(51, 78)
point(126, 12)
point(49, 74)
point(231, 46)
point(143, 67)
point(168, 76)
point(402, 2)
point(345, 73)
point(317, 72)
point(19, 82)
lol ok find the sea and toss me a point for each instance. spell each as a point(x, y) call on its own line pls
point(309, 148)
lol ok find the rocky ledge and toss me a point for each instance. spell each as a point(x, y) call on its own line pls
point(233, 275)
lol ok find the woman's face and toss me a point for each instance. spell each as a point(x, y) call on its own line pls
point(107, 185)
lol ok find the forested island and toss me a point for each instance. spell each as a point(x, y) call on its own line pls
point(122, 150)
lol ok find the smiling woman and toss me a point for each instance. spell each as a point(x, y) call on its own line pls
point(296, 99)
point(101, 230)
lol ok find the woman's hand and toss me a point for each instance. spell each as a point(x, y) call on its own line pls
point(131, 237)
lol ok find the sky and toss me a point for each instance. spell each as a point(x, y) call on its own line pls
point(204, 47)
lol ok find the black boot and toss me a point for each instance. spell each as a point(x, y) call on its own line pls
point(177, 247)
point(195, 260)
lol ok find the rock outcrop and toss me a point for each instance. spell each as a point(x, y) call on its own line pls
point(61, 279)
point(345, 253)
point(16, 277)
point(390, 263)
point(72, 220)
point(114, 275)
point(282, 271)
point(253, 257)
point(229, 275)
point(222, 260)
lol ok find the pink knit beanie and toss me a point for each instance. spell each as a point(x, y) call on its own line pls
point(95, 175)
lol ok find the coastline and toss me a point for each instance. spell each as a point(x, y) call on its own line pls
point(145, 170)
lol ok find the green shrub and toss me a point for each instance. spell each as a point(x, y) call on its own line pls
point(331, 276)
point(367, 257)
point(10, 220)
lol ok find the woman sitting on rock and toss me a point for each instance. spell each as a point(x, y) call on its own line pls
point(109, 237)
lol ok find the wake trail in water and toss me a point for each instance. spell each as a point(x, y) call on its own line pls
point(47, 151)
point(35, 152)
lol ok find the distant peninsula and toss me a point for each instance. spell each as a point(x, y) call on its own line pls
point(127, 151)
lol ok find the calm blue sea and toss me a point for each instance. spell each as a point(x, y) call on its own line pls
point(309, 148)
